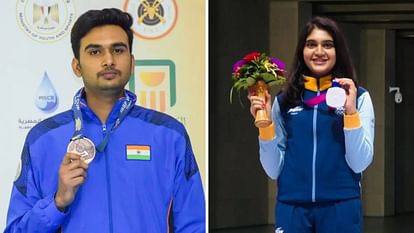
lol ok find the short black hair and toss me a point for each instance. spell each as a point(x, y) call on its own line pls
point(96, 18)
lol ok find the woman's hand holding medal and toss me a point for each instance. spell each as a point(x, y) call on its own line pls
point(351, 92)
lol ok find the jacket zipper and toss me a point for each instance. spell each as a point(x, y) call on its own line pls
point(315, 137)
point(108, 184)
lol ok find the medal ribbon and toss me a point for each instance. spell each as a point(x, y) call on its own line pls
point(126, 106)
point(335, 84)
point(315, 100)
point(311, 102)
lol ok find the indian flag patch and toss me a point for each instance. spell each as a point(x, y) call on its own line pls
point(137, 152)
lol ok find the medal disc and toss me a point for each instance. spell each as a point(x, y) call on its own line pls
point(84, 147)
point(335, 97)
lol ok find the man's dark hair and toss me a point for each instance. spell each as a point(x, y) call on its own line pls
point(96, 18)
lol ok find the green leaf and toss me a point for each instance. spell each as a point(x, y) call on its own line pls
point(231, 94)
point(276, 83)
point(272, 83)
point(250, 81)
point(240, 101)
point(267, 77)
point(243, 86)
point(237, 85)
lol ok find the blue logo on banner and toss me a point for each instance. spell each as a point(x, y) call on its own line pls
point(46, 96)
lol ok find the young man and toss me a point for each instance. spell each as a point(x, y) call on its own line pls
point(106, 165)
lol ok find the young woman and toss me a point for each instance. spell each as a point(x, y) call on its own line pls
point(316, 152)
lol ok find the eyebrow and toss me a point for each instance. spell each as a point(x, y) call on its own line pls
point(96, 46)
point(322, 41)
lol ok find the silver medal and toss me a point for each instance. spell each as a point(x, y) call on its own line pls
point(84, 147)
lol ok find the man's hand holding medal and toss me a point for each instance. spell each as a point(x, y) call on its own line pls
point(73, 170)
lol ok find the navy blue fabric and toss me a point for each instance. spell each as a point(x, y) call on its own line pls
point(334, 180)
point(329, 217)
point(158, 118)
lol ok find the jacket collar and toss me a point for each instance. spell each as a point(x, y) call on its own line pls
point(113, 115)
point(312, 83)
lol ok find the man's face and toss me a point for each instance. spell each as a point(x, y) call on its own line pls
point(105, 63)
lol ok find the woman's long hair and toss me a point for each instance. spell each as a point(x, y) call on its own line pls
point(343, 68)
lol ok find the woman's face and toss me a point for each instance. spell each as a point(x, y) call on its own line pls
point(319, 53)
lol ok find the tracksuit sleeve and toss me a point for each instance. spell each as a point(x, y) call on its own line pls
point(359, 137)
point(188, 201)
point(29, 212)
point(272, 151)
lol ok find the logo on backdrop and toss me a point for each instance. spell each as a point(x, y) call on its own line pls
point(45, 20)
point(154, 84)
point(153, 19)
point(46, 99)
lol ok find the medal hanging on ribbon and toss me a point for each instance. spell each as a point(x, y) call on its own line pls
point(335, 96)
point(79, 144)
point(83, 146)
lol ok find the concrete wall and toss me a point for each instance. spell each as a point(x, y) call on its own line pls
point(372, 69)
point(237, 183)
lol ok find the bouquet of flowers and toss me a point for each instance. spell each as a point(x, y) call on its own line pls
point(254, 67)
point(256, 72)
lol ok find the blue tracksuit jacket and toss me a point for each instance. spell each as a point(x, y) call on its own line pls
point(120, 195)
point(313, 156)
